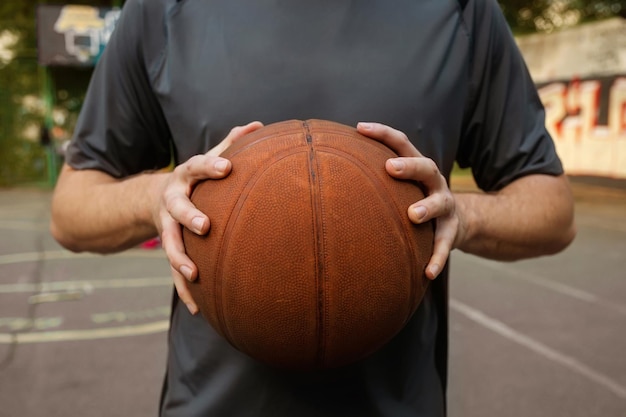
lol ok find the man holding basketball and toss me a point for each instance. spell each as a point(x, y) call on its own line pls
point(437, 81)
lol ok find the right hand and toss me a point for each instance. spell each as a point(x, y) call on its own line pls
point(175, 208)
point(439, 204)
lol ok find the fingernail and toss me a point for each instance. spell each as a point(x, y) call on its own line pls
point(186, 271)
point(192, 309)
point(221, 164)
point(397, 164)
point(365, 125)
point(420, 212)
point(197, 224)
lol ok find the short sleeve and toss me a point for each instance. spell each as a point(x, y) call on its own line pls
point(504, 134)
point(121, 129)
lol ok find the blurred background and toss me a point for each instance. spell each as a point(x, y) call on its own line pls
point(47, 55)
point(576, 51)
point(86, 334)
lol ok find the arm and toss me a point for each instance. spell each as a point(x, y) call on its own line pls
point(93, 211)
point(532, 216)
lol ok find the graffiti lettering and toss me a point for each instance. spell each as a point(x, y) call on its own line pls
point(587, 120)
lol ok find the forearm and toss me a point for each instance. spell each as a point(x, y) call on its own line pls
point(532, 216)
point(92, 211)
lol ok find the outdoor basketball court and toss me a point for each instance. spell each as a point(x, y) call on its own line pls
point(85, 335)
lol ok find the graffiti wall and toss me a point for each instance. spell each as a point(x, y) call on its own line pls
point(587, 119)
point(581, 78)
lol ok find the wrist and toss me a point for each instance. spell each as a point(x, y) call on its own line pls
point(148, 200)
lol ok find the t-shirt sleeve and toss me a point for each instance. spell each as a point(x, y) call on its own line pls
point(504, 128)
point(121, 129)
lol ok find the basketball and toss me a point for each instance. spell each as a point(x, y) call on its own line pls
point(311, 261)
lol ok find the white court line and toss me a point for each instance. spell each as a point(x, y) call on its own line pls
point(88, 334)
point(85, 334)
point(86, 285)
point(64, 254)
point(538, 347)
point(558, 287)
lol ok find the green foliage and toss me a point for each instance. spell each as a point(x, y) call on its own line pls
point(22, 158)
point(548, 15)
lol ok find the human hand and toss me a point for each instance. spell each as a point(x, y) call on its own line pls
point(439, 203)
point(174, 208)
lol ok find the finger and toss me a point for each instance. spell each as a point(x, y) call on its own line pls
point(172, 243)
point(435, 205)
point(200, 167)
point(235, 134)
point(393, 138)
point(185, 176)
point(439, 200)
point(183, 211)
point(421, 169)
point(444, 238)
point(183, 292)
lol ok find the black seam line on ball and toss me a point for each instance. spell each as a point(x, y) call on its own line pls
point(320, 282)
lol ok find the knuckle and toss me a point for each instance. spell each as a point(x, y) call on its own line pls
point(442, 247)
point(448, 202)
point(176, 276)
point(432, 167)
point(170, 237)
point(182, 168)
point(236, 130)
point(171, 203)
point(166, 242)
point(187, 167)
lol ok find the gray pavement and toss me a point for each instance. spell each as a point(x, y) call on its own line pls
point(85, 335)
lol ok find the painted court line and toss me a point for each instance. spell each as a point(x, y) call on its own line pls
point(63, 254)
point(558, 287)
point(86, 285)
point(88, 334)
point(551, 354)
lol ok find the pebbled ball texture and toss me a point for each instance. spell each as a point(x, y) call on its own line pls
point(311, 261)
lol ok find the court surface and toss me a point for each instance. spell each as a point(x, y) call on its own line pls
point(85, 335)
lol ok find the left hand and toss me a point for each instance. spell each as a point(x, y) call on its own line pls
point(174, 208)
point(439, 203)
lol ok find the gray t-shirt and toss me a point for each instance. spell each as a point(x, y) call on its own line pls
point(178, 75)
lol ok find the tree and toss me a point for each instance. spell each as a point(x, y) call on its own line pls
point(548, 15)
point(21, 86)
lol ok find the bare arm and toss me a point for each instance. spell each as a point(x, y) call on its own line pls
point(532, 216)
point(92, 211)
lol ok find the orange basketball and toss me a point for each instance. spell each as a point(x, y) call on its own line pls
point(311, 261)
